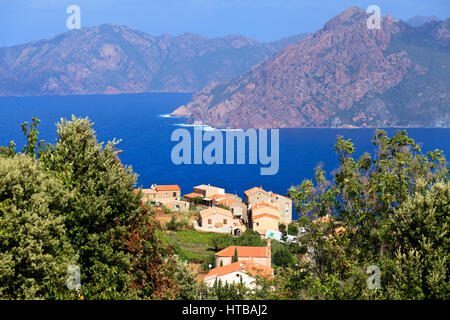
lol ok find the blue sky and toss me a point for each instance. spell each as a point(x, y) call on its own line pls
point(264, 20)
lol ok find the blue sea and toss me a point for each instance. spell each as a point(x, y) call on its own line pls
point(141, 121)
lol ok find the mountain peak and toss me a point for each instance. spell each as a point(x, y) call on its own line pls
point(343, 75)
point(114, 58)
point(347, 16)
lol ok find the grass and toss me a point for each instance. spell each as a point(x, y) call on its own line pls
point(194, 237)
point(191, 245)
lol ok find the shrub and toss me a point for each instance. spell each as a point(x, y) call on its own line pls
point(282, 257)
point(292, 229)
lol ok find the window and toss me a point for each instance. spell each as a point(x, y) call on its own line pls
point(166, 194)
point(287, 205)
point(257, 224)
point(209, 221)
point(174, 194)
point(224, 221)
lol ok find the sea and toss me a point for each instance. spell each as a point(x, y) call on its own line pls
point(143, 124)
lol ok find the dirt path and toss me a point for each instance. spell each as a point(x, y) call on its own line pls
point(197, 269)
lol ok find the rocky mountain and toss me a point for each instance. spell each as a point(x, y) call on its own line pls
point(344, 75)
point(117, 59)
point(417, 21)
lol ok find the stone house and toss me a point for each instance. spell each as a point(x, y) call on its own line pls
point(257, 195)
point(261, 255)
point(238, 272)
point(264, 217)
point(215, 217)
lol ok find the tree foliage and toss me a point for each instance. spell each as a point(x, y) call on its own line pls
point(389, 209)
point(77, 201)
point(34, 248)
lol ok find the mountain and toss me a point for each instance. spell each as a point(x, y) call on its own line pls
point(417, 21)
point(117, 59)
point(344, 75)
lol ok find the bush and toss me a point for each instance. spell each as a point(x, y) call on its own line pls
point(34, 249)
point(166, 210)
point(210, 260)
point(282, 257)
point(77, 195)
point(292, 229)
point(173, 224)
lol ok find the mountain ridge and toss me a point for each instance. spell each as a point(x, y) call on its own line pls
point(343, 75)
point(113, 58)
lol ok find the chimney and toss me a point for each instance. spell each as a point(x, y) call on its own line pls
point(268, 251)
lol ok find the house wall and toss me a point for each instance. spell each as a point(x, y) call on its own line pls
point(165, 195)
point(216, 218)
point(234, 277)
point(177, 205)
point(209, 191)
point(264, 223)
point(283, 204)
point(239, 209)
point(227, 260)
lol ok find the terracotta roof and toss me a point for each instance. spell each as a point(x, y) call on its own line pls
point(215, 210)
point(272, 195)
point(218, 196)
point(244, 252)
point(266, 215)
point(171, 187)
point(253, 190)
point(264, 204)
point(249, 267)
point(206, 187)
point(193, 195)
point(225, 199)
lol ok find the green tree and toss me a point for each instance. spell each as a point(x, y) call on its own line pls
point(292, 229)
point(235, 257)
point(210, 260)
point(173, 224)
point(282, 257)
point(249, 238)
point(34, 249)
point(420, 231)
point(352, 222)
point(186, 285)
point(120, 255)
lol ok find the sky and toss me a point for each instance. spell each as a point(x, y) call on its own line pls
point(263, 20)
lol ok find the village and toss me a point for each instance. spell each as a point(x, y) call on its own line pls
point(209, 215)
